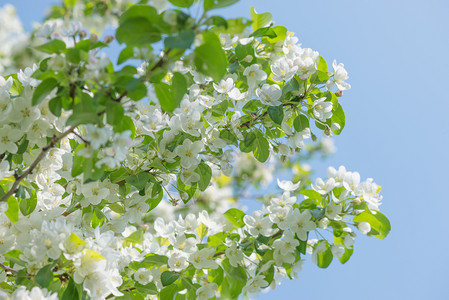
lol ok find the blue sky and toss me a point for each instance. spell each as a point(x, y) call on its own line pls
point(397, 132)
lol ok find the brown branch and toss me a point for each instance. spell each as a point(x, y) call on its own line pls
point(249, 123)
point(53, 142)
point(80, 137)
point(8, 269)
point(161, 61)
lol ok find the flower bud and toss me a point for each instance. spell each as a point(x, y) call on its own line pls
point(314, 137)
point(364, 227)
point(339, 93)
point(82, 34)
point(108, 39)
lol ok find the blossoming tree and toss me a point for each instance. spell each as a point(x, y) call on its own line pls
point(121, 177)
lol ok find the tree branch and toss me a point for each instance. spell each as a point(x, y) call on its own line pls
point(8, 269)
point(18, 179)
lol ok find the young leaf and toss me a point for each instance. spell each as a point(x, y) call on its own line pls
point(276, 114)
point(235, 216)
point(71, 292)
point(380, 225)
point(205, 173)
point(168, 278)
point(214, 4)
point(178, 88)
point(44, 276)
point(210, 58)
point(261, 148)
point(260, 20)
point(139, 181)
point(165, 96)
point(137, 31)
point(13, 209)
point(181, 3)
point(300, 123)
point(43, 90)
point(182, 40)
point(53, 46)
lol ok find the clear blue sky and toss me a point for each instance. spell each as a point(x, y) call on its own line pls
point(397, 131)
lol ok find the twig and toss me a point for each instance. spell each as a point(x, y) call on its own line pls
point(161, 61)
point(31, 168)
point(8, 269)
point(80, 137)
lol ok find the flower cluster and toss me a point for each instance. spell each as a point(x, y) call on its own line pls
point(118, 180)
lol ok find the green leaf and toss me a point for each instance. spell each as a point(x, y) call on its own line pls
point(135, 238)
point(168, 278)
point(248, 143)
point(281, 33)
point(13, 209)
point(84, 112)
point(14, 257)
point(28, 205)
point(178, 88)
point(237, 273)
point(348, 252)
point(139, 180)
point(292, 85)
point(181, 40)
point(322, 65)
point(311, 194)
point(235, 216)
point(77, 165)
point(43, 90)
point(140, 11)
point(218, 21)
point(71, 292)
point(181, 3)
point(168, 293)
point(55, 106)
point(73, 55)
point(380, 225)
point(209, 58)
point(202, 231)
point(261, 148)
point(231, 288)
point(165, 96)
point(21, 277)
point(156, 259)
point(148, 289)
point(205, 173)
point(323, 258)
point(338, 116)
point(276, 114)
point(125, 54)
point(300, 123)
point(23, 147)
point(114, 113)
point(229, 137)
point(214, 4)
point(53, 46)
point(137, 31)
point(260, 20)
point(16, 87)
point(126, 123)
point(44, 276)
point(215, 275)
point(242, 51)
point(264, 31)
